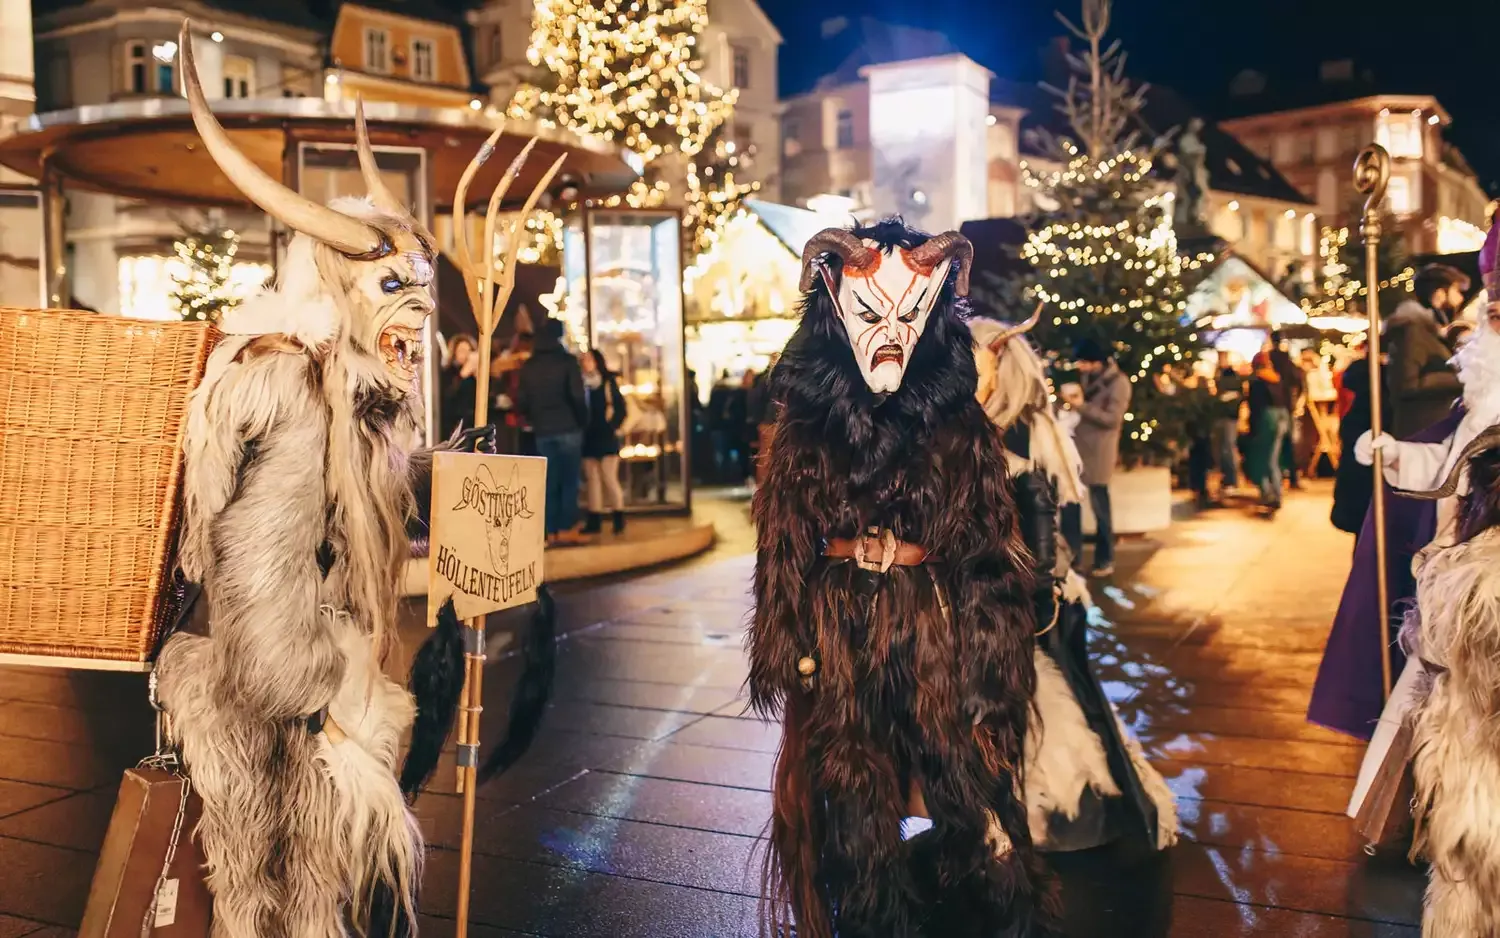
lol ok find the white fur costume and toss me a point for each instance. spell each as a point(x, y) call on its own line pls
point(300, 463)
point(298, 828)
point(1064, 756)
point(1457, 747)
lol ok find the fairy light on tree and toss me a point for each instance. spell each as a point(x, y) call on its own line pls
point(1106, 260)
point(1341, 286)
point(627, 71)
point(202, 290)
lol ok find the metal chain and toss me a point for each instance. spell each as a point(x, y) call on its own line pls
point(165, 759)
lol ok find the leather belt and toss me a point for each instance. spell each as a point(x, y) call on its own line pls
point(876, 551)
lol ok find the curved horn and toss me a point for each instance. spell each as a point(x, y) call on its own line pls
point(348, 236)
point(379, 192)
point(840, 241)
point(946, 245)
point(1013, 331)
point(1487, 439)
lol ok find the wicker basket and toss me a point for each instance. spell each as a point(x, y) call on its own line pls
point(92, 414)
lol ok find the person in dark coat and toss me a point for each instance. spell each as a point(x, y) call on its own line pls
point(460, 381)
point(1423, 385)
point(1354, 484)
point(601, 442)
point(549, 395)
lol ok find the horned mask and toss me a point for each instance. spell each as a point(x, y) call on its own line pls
point(387, 255)
point(990, 342)
point(885, 299)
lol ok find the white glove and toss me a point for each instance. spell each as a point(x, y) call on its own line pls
point(1366, 445)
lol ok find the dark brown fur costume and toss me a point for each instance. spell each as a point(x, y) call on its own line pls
point(903, 693)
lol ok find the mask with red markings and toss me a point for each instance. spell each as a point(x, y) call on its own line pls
point(884, 297)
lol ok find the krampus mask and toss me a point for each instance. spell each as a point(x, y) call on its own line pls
point(893, 624)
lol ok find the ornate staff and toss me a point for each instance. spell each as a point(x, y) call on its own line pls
point(490, 281)
point(1372, 170)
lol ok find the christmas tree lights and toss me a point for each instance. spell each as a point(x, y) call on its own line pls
point(627, 71)
point(202, 290)
point(1340, 275)
point(623, 70)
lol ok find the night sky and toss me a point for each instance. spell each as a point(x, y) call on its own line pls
point(1447, 48)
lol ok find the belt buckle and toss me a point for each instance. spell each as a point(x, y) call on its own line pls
point(887, 542)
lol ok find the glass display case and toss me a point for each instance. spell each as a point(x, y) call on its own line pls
point(623, 271)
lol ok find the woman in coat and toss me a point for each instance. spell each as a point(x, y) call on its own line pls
point(601, 442)
point(1264, 430)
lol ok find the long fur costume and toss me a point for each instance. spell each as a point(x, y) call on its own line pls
point(1065, 755)
point(301, 462)
point(925, 674)
point(1456, 720)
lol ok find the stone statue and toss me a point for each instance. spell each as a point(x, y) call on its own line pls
point(1192, 178)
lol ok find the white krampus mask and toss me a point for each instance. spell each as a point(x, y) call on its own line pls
point(388, 268)
point(884, 298)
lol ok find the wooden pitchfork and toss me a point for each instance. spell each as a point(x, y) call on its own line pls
point(490, 282)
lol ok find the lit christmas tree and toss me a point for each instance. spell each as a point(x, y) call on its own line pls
point(1105, 259)
point(202, 290)
point(627, 71)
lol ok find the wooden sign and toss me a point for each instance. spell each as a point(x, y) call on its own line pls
point(488, 532)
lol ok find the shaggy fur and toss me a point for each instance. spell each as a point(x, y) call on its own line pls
point(1456, 720)
point(298, 489)
point(925, 674)
point(1065, 755)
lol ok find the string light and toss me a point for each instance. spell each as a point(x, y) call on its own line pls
point(1340, 285)
point(627, 71)
point(202, 291)
point(1107, 263)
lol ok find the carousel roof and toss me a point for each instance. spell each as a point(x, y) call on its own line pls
point(149, 149)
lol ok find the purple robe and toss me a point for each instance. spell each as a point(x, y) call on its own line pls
point(1348, 695)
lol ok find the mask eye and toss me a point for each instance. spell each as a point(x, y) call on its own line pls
point(911, 314)
point(866, 313)
point(391, 285)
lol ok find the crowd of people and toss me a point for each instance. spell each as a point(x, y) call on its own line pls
point(564, 407)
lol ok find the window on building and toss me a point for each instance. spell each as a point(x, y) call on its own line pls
point(164, 71)
point(1400, 133)
point(791, 131)
point(377, 50)
point(844, 129)
point(1328, 144)
point(1399, 197)
point(494, 48)
point(1328, 192)
point(423, 60)
point(60, 80)
point(136, 58)
point(741, 67)
point(1286, 149)
point(239, 77)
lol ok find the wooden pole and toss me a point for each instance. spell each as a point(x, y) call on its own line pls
point(489, 286)
point(1372, 170)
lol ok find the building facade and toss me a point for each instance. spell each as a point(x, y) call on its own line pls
point(119, 251)
point(831, 158)
point(383, 53)
point(738, 49)
point(1432, 190)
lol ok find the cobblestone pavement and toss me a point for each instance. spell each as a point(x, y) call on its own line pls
point(636, 814)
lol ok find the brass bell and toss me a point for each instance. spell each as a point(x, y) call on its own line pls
point(806, 666)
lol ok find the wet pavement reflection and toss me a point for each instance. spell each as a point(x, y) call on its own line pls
point(639, 810)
